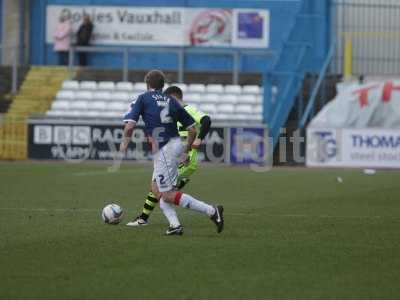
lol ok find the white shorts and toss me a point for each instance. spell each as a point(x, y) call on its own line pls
point(166, 162)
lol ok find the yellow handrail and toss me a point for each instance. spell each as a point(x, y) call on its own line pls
point(348, 57)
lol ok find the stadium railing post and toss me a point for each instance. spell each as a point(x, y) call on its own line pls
point(181, 65)
point(125, 66)
point(71, 62)
point(348, 56)
point(236, 67)
point(14, 83)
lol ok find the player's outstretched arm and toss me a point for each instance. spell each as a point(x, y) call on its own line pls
point(128, 130)
point(192, 133)
point(205, 125)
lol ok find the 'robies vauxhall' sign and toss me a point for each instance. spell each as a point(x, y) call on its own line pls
point(167, 26)
point(353, 148)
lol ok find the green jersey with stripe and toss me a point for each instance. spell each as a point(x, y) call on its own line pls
point(196, 114)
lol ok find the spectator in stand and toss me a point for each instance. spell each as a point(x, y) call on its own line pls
point(62, 39)
point(84, 35)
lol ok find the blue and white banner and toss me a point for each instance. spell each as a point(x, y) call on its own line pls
point(248, 145)
point(364, 148)
point(251, 28)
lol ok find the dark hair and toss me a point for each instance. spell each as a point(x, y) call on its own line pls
point(174, 90)
point(155, 79)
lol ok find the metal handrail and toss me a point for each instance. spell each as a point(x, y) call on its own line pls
point(11, 47)
point(15, 64)
point(181, 52)
point(315, 90)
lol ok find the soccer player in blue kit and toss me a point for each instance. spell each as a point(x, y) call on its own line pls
point(160, 114)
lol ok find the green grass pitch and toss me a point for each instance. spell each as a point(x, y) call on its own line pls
point(289, 234)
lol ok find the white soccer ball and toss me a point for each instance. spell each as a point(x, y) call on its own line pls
point(112, 214)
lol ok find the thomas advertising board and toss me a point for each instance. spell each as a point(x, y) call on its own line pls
point(353, 148)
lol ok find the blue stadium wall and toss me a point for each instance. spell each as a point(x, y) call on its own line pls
point(1, 25)
point(282, 13)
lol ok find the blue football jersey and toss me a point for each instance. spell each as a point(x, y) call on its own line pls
point(160, 113)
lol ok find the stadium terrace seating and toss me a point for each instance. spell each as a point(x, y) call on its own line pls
point(182, 86)
point(244, 109)
point(84, 95)
point(233, 89)
point(193, 98)
point(197, 88)
point(121, 96)
point(98, 105)
point(209, 108)
point(210, 98)
point(117, 106)
point(65, 95)
point(124, 86)
point(60, 105)
point(139, 87)
point(106, 86)
point(88, 85)
point(70, 85)
point(250, 99)
point(102, 96)
point(107, 99)
point(226, 108)
point(79, 105)
point(251, 89)
point(215, 88)
point(228, 98)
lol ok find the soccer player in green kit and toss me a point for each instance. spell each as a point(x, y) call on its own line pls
point(203, 124)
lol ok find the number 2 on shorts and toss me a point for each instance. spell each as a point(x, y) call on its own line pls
point(161, 179)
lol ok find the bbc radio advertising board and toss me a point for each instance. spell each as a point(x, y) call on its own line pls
point(364, 148)
point(78, 142)
point(167, 26)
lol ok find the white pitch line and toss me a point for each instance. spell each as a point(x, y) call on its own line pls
point(49, 209)
point(61, 210)
point(106, 172)
point(312, 216)
point(91, 173)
